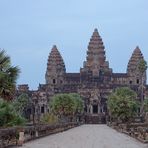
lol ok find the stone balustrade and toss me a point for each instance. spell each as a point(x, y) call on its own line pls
point(136, 130)
point(18, 135)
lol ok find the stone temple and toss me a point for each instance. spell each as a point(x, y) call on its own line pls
point(94, 82)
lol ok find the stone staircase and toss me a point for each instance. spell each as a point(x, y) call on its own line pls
point(95, 119)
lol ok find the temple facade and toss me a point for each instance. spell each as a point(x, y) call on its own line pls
point(94, 82)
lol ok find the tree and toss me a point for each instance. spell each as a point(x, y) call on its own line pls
point(122, 104)
point(8, 76)
point(142, 66)
point(145, 109)
point(21, 103)
point(8, 115)
point(63, 105)
point(66, 105)
point(79, 106)
point(146, 105)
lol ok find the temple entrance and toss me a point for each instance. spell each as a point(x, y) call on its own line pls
point(94, 114)
point(95, 109)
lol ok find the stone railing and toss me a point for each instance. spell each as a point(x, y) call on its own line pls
point(138, 131)
point(19, 135)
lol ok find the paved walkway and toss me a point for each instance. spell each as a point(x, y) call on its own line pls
point(87, 136)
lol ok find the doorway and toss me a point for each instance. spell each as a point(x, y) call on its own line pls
point(95, 109)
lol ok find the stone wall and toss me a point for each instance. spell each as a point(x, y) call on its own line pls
point(18, 135)
point(138, 131)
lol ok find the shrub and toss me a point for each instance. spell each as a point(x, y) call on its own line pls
point(49, 118)
point(122, 104)
point(8, 115)
point(66, 105)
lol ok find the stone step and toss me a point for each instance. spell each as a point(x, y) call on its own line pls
point(95, 119)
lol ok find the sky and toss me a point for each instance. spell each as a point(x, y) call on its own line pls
point(29, 29)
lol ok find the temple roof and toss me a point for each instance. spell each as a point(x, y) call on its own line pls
point(55, 58)
point(96, 58)
point(135, 58)
point(55, 66)
point(118, 75)
point(73, 77)
point(96, 43)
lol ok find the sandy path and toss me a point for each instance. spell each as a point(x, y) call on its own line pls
point(87, 136)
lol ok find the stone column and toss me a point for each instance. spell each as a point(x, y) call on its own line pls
point(91, 109)
point(87, 108)
point(98, 108)
point(36, 134)
point(21, 138)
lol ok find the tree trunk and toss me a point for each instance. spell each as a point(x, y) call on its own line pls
point(142, 98)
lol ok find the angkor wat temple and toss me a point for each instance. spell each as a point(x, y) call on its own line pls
point(95, 81)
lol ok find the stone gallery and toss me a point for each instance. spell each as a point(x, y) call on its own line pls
point(95, 81)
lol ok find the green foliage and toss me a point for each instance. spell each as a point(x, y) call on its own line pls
point(49, 118)
point(63, 104)
point(66, 104)
point(146, 105)
point(8, 76)
point(21, 103)
point(8, 115)
point(142, 66)
point(79, 108)
point(122, 104)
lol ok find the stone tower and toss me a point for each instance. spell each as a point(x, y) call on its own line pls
point(55, 68)
point(132, 68)
point(96, 59)
point(94, 83)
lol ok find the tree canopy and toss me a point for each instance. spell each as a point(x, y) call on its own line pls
point(66, 104)
point(79, 108)
point(142, 66)
point(8, 115)
point(21, 103)
point(8, 76)
point(122, 104)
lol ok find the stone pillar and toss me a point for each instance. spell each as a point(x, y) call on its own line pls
point(91, 109)
point(1, 142)
point(98, 108)
point(21, 138)
point(36, 134)
point(88, 109)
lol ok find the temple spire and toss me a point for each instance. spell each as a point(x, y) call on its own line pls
point(132, 68)
point(96, 59)
point(55, 66)
point(135, 58)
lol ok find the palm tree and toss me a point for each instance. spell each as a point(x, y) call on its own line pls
point(122, 104)
point(8, 76)
point(142, 67)
point(8, 115)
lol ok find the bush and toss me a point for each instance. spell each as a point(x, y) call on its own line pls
point(49, 118)
point(8, 115)
point(66, 105)
point(63, 105)
point(21, 103)
point(122, 104)
point(79, 106)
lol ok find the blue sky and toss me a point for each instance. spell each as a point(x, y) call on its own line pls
point(29, 29)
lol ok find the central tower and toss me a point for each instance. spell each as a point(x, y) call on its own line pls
point(96, 59)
